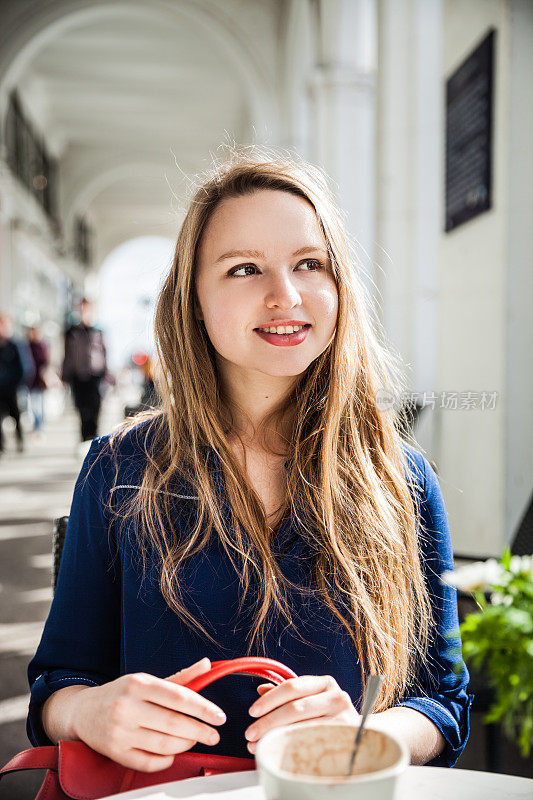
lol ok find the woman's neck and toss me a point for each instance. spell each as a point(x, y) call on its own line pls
point(252, 396)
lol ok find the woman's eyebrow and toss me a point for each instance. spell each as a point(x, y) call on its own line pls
point(258, 254)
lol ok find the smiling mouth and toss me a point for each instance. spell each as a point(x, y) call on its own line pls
point(273, 331)
point(284, 339)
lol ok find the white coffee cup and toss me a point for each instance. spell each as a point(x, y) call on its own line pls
point(309, 761)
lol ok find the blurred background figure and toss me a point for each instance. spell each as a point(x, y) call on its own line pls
point(11, 375)
point(41, 358)
point(84, 368)
point(149, 394)
point(28, 376)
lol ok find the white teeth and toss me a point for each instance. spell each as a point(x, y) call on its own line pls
point(283, 329)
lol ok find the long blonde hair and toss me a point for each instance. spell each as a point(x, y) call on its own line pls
point(347, 481)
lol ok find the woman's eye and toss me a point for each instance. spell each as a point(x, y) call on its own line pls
point(234, 270)
point(317, 266)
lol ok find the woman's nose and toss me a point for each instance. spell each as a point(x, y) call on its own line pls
point(282, 292)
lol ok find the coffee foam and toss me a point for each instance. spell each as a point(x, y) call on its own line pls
point(324, 751)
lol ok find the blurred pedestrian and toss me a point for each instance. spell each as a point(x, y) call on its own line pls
point(28, 374)
point(84, 367)
point(149, 396)
point(41, 358)
point(11, 375)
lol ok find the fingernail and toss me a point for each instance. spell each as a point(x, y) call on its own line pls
point(250, 734)
point(220, 715)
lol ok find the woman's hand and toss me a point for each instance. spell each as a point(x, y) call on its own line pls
point(142, 721)
point(298, 699)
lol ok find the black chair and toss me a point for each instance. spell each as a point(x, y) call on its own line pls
point(58, 539)
point(522, 545)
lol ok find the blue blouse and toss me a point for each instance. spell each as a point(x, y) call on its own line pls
point(105, 621)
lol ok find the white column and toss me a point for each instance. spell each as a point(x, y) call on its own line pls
point(344, 99)
point(518, 430)
point(6, 240)
point(409, 186)
point(297, 63)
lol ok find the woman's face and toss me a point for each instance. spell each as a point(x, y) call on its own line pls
point(277, 283)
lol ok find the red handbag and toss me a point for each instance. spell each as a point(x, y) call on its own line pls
point(77, 772)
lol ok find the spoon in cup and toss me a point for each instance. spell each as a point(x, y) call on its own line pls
point(372, 688)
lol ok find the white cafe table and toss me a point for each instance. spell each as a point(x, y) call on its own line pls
point(417, 783)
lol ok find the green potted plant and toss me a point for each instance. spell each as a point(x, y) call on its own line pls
point(499, 638)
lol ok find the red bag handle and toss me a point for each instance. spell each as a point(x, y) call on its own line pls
point(268, 668)
point(44, 757)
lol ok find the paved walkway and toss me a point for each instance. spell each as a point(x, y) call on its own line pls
point(35, 487)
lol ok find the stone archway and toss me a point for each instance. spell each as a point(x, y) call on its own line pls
point(43, 22)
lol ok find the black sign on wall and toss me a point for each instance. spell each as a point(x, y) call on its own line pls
point(469, 104)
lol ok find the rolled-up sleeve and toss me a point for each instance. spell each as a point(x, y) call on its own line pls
point(80, 643)
point(441, 691)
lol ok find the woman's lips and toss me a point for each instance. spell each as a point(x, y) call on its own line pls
point(284, 339)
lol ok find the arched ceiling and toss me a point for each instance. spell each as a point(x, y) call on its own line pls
point(131, 103)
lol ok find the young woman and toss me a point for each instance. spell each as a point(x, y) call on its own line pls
point(269, 507)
